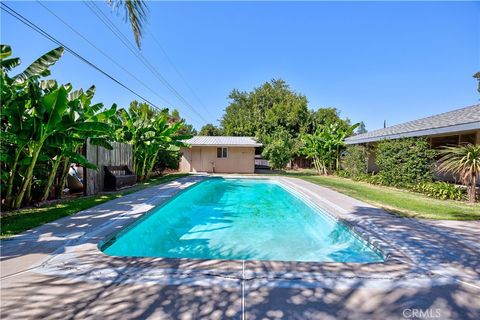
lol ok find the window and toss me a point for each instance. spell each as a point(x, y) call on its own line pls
point(222, 152)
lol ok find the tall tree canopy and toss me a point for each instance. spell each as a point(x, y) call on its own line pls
point(210, 130)
point(264, 109)
point(187, 129)
point(278, 117)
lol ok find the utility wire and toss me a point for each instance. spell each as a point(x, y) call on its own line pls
point(103, 53)
point(36, 28)
point(170, 61)
point(128, 44)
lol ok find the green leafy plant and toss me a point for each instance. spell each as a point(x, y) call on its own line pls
point(42, 125)
point(441, 190)
point(150, 133)
point(354, 160)
point(325, 145)
point(404, 162)
point(278, 149)
point(463, 161)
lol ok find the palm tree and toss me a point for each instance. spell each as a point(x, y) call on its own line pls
point(464, 161)
point(136, 11)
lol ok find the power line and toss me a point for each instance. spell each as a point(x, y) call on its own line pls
point(36, 28)
point(127, 43)
point(130, 46)
point(170, 61)
point(103, 53)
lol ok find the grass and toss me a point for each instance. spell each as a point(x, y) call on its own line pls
point(400, 202)
point(28, 218)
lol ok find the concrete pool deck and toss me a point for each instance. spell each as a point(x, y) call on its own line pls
point(56, 271)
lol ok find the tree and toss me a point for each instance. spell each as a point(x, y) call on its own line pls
point(42, 112)
point(264, 112)
point(278, 149)
point(87, 121)
point(464, 161)
point(42, 123)
point(325, 145)
point(210, 130)
point(135, 12)
point(477, 76)
point(264, 109)
point(150, 133)
point(361, 128)
point(325, 116)
point(187, 128)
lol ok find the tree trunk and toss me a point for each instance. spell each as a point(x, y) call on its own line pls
point(473, 189)
point(142, 169)
point(152, 164)
point(28, 195)
point(63, 177)
point(11, 178)
point(51, 178)
point(337, 159)
point(28, 177)
point(316, 165)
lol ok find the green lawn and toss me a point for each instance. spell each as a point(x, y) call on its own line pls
point(28, 218)
point(396, 201)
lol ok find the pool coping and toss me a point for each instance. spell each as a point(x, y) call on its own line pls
point(81, 257)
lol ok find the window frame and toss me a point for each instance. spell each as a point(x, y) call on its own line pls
point(223, 152)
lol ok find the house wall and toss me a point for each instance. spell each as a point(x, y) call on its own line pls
point(371, 160)
point(204, 159)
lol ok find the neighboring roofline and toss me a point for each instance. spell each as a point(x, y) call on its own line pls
point(226, 145)
point(254, 144)
point(418, 133)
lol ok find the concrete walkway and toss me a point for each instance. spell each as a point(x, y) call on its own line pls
point(56, 271)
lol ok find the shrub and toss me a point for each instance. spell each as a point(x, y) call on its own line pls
point(441, 190)
point(167, 160)
point(354, 161)
point(342, 173)
point(404, 162)
point(278, 149)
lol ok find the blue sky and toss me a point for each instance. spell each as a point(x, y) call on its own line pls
point(374, 61)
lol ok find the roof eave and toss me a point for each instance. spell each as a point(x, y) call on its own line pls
point(419, 133)
point(227, 145)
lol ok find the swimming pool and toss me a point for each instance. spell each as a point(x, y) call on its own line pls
point(240, 219)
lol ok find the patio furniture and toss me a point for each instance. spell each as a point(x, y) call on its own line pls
point(118, 177)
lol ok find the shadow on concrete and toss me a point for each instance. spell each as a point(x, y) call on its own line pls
point(437, 249)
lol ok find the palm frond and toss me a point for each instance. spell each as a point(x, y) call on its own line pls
point(136, 12)
point(463, 161)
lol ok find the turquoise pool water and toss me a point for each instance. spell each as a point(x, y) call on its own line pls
point(248, 219)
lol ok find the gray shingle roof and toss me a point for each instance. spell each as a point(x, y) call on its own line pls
point(225, 141)
point(463, 119)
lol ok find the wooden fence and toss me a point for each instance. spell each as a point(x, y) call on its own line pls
point(120, 155)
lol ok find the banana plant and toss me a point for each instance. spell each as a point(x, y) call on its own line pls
point(82, 120)
point(325, 145)
point(39, 115)
point(22, 102)
point(149, 132)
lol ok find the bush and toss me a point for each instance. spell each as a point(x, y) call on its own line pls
point(167, 160)
point(441, 190)
point(354, 161)
point(404, 162)
point(278, 150)
point(342, 174)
